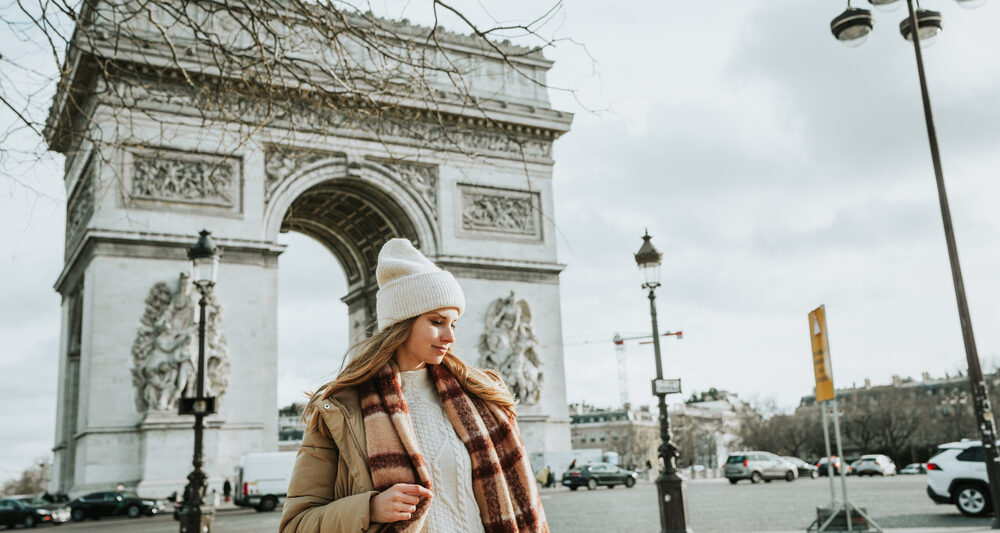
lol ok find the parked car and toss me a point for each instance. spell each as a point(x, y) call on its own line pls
point(957, 475)
point(29, 512)
point(804, 469)
point(758, 466)
point(837, 462)
point(913, 468)
point(112, 503)
point(594, 474)
point(875, 464)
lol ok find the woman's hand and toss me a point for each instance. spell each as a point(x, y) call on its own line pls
point(396, 503)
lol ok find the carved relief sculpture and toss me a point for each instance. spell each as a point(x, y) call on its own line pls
point(165, 350)
point(189, 180)
point(281, 162)
point(421, 179)
point(486, 210)
point(509, 345)
point(80, 206)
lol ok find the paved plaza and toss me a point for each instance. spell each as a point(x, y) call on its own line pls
point(897, 503)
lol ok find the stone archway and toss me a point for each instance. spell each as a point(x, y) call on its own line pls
point(352, 210)
point(480, 207)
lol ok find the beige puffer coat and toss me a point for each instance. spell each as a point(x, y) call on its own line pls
point(331, 485)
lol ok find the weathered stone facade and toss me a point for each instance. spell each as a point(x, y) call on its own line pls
point(479, 204)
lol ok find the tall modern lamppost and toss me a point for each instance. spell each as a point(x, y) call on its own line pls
point(852, 28)
point(669, 485)
point(194, 517)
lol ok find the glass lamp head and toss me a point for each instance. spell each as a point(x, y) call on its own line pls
point(649, 259)
point(929, 24)
point(204, 256)
point(853, 26)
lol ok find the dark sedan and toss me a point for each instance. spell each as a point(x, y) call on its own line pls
point(805, 469)
point(98, 504)
point(29, 512)
point(595, 474)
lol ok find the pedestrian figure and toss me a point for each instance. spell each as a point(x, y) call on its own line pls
point(550, 479)
point(227, 489)
point(542, 476)
point(572, 465)
point(403, 401)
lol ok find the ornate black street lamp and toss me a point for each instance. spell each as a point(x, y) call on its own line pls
point(850, 27)
point(669, 485)
point(204, 266)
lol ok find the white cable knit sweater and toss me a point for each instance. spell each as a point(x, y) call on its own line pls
point(454, 507)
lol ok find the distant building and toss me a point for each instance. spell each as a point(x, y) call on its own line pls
point(706, 428)
point(290, 427)
point(952, 389)
point(912, 416)
point(631, 433)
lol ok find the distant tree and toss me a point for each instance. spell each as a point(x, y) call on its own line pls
point(31, 481)
point(636, 443)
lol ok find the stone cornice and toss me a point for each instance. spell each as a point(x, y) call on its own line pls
point(160, 245)
point(97, 44)
point(501, 269)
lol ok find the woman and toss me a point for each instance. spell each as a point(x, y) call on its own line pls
point(409, 438)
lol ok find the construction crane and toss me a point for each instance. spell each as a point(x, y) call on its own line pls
point(623, 366)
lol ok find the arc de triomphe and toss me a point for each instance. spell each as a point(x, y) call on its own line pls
point(147, 174)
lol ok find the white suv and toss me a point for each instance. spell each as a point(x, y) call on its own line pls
point(957, 474)
point(875, 465)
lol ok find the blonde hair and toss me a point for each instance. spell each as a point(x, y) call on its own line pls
point(367, 357)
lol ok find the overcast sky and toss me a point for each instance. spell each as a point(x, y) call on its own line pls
point(775, 168)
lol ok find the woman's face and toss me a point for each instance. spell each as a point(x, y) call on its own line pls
point(431, 336)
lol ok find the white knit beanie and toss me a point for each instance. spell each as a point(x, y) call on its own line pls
point(410, 285)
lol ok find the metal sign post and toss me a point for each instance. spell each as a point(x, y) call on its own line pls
point(823, 372)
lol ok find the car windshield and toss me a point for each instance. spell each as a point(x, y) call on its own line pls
point(34, 501)
point(733, 459)
point(128, 494)
point(868, 459)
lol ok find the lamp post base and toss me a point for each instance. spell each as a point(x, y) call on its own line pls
point(196, 520)
point(673, 504)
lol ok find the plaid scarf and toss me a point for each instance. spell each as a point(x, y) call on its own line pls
point(502, 479)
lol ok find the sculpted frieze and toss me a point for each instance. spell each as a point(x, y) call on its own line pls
point(411, 126)
point(283, 161)
point(196, 179)
point(487, 210)
point(508, 344)
point(80, 206)
point(165, 350)
point(421, 179)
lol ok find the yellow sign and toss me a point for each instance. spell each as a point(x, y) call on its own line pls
point(821, 354)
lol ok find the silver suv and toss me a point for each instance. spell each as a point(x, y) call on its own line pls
point(957, 474)
point(757, 466)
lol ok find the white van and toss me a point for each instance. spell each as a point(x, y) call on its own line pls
point(262, 479)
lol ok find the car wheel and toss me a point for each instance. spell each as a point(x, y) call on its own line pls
point(733, 481)
point(814, 474)
point(29, 521)
point(574, 487)
point(267, 504)
point(591, 484)
point(755, 477)
point(629, 483)
point(78, 515)
point(789, 476)
point(133, 511)
point(971, 500)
